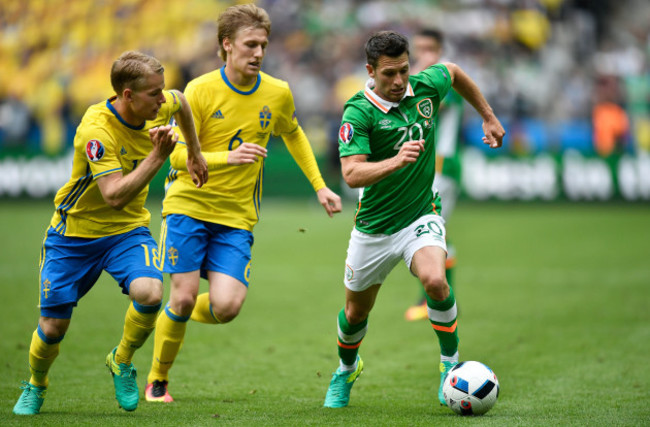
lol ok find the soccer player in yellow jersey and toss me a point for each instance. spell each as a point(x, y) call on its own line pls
point(208, 232)
point(100, 222)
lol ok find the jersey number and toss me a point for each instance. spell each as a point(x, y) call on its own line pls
point(235, 138)
point(431, 227)
point(155, 257)
point(409, 132)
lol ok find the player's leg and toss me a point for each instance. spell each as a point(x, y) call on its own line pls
point(352, 325)
point(183, 245)
point(369, 260)
point(43, 350)
point(447, 190)
point(226, 297)
point(425, 254)
point(134, 262)
point(228, 267)
point(429, 266)
point(68, 269)
point(170, 333)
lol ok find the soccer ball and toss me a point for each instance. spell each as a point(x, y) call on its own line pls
point(471, 388)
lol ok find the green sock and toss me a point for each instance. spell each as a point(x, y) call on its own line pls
point(349, 338)
point(442, 315)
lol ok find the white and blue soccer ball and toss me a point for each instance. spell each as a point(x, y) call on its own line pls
point(471, 388)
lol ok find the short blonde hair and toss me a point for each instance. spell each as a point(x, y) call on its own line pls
point(240, 16)
point(131, 68)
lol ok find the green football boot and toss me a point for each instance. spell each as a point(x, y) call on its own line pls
point(338, 393)
point(445, 367)
point(31, 400)
point(126, 387)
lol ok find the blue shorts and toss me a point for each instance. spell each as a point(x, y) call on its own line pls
point(190, 244)
point(70, 266)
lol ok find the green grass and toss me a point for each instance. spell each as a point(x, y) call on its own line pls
point(554, 298)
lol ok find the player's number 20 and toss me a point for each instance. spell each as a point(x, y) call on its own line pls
point(411, 133)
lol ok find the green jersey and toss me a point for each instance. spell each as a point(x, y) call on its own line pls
point(377, 128)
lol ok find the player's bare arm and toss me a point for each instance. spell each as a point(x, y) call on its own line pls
point(197, 166)
point(118, 189)
point(468, 89)
point(358, 172)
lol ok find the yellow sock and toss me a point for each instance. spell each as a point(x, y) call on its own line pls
point(138, 324)
point(168, 339)
point(42, 352)
point(203, 312)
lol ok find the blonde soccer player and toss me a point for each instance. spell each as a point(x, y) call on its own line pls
point(208, 232)
point(100, 222)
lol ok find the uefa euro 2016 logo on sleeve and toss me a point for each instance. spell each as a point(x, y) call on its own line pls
point(94, 150)
point(346, 132)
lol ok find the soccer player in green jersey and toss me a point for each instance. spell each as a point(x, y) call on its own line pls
point(209, 232)
point(387, 147)
point(427, 50)
point(100, 222)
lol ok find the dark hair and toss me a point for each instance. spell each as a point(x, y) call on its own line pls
point(434, 33)
point(387, 43)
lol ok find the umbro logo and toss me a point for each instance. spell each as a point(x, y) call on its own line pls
point(217, 115)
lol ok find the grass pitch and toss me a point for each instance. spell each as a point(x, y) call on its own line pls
point(554, 298)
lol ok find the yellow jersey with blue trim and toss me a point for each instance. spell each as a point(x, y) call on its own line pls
point(103, 144)
point(226, 116)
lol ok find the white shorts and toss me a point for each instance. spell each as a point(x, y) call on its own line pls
point(372, 256)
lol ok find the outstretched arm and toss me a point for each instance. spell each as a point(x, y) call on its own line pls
point(298, 145)
point(468, 89)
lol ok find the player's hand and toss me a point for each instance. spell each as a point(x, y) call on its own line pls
point(246, 153)
point(409, 152)
point(494, 132)
point(164, 140)
point(329, 200)
point(197, 166)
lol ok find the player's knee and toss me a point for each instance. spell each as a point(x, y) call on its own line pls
point(147, 291)
point(436, 287)
point(226, 314)
point(183, 304)
point(226, 311)
point(356, 315)
point(53, 327)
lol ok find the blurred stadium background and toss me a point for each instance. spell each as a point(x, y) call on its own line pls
point(570, 79)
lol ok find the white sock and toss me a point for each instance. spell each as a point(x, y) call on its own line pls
point(453, 358)
point(348, 368)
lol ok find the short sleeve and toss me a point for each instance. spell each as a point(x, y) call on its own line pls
point(354, 134)
point(100, 151)
point(438, 76)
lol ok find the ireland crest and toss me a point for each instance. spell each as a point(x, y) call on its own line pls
point(425, 108)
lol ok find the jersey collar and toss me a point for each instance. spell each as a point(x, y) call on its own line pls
point(111, 107)
point(383, 105)
point(232, 86)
